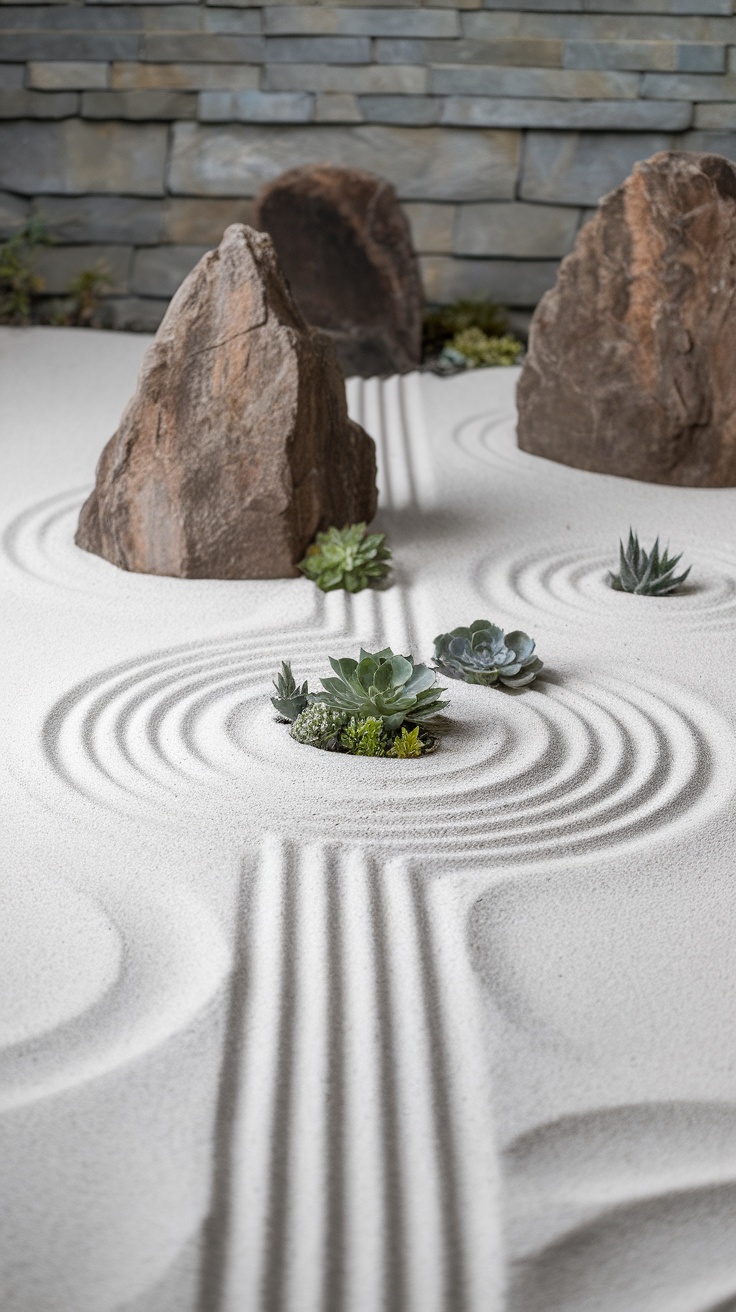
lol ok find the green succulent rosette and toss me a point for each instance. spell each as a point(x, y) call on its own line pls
point(484, 654)
point(383, 686)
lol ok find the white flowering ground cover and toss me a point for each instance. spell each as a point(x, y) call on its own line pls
point(285, 1030)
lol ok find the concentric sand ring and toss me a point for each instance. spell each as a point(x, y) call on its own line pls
point(561, 768)
point(558, 580)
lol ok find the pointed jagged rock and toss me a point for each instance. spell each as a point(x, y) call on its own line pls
point(630, 367)
point(236, 447)
point(345, 245)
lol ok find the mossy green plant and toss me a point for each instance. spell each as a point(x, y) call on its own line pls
point(349, 558)
point(481, 351)
point(318, 726)
point(443, 322)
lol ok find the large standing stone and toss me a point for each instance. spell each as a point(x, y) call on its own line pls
point(236, 448)
point(630, 367)
point(345, 246)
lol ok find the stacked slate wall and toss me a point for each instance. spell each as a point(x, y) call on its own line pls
point(140, 130)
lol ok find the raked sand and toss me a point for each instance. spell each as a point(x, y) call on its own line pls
point(287, 1032)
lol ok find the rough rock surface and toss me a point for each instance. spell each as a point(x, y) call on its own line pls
point(236, 448)
point(344, 244)
point(630, 368)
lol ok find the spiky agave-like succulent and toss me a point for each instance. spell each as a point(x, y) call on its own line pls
point(290, 699)
point(319, 726)
point(384, 685)
point(483, 653)
point(346, 558)
point(649, 575)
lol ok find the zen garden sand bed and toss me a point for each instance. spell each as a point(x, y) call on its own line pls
point(447, 1035)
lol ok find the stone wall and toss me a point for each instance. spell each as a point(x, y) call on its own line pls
point(140, 130)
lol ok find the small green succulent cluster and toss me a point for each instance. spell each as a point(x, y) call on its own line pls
point(648, 575)
point(474, 349)
point(484, 654)
point(444, 322)
point(375, 706)
point(348, 558)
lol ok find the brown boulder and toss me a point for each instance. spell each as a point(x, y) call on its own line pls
point(236, 448)
point(630, 368)
point(345, 246)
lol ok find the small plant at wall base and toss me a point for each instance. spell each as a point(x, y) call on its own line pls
point(18, 283)
point(82, 309)
point(647, 574)
point(468, 335)
point(375, 706)
point(444, 321)
point(483, 653)
point(349, 558)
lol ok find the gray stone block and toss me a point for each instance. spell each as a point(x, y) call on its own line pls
point(517, 229)
point(11, 77)
point(508, 282)
point(688, 86)
point(68, 75)
point(635, 55)
point(337, 107)
point(328, 20)
point(577, 168)
point(76, 46)
point(177, 47)
point(482, 111)
point(68, 18)
point(431, 226)
point(202, 222)
point(38, 104)
point(185, 77)
point(423, 163)
point(14, 212)
point(123, 220)
point(369, 79)
point(232, 22)
point(400, 109)
point(58, 265)
point(523, 52)
point(522, 82)
point(715, 116)
point(160, 270)
point(255, 107)
point(318, 50)
point(617, 7)
point(136, 314)
point(606, 24)
point(700, 57)
point(660, 6)
point(716, 143)
point(139, 105)
point(74, 157)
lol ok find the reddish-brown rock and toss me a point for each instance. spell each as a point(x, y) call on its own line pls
point(236, 448)
point(631, 355)
point(344, 244)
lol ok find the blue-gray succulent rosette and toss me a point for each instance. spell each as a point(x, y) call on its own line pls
point(484, 654)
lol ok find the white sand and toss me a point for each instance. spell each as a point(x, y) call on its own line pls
point(445, 1036)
